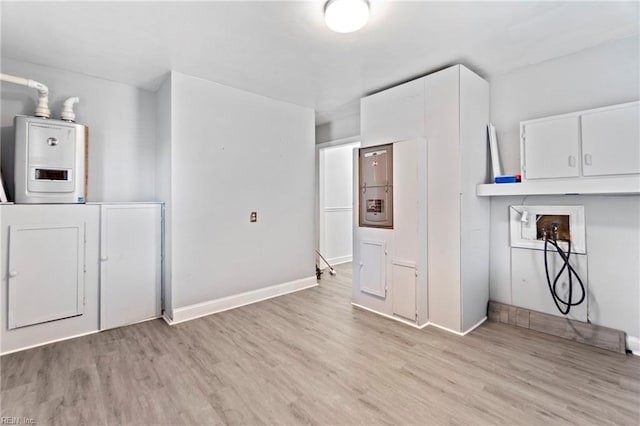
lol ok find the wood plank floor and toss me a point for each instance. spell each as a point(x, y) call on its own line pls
point(310, 358)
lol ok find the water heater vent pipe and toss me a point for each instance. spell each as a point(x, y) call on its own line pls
point(42, 109)
point(67, 110)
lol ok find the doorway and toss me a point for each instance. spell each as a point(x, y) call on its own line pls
point(335, 201)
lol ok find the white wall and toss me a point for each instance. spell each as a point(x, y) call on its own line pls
point(596, 77)
point(604, 75)
point(121, 121)
point(336, 203)
point(339, 128)
point(233, 152)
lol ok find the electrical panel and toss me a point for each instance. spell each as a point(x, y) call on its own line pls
point(376, 186)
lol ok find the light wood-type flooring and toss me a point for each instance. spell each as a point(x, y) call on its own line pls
point(311, 358)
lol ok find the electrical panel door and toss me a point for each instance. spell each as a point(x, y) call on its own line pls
point(376, 186)
point(46, 273)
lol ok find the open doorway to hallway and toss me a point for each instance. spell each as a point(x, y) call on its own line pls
point(335, 202)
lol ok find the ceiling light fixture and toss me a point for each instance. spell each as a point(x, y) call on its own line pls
point(346, 16)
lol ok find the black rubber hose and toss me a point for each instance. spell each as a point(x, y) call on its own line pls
point(572, 272)
point(557, 299)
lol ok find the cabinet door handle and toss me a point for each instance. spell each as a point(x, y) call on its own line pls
point(13, 274)
point(587, 159)
point(572, 161)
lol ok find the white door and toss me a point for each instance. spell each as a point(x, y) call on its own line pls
point(336, 203)
point(611, 141)
point(551, 148)
point(46, 273)
point(130, 254)
point(373, 261)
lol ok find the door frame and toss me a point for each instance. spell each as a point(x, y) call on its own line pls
point(319, 222)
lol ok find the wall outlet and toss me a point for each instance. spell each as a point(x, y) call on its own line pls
point(253, 217)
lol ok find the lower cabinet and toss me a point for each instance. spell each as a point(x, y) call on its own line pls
point(50, 278)
point(130, 263)
point(73, 269)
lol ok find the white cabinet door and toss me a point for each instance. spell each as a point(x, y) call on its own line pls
point(46, 273)
point(611, 141)
point(404, 290)
point(551, 148)
point(393, 115)
point(373, 268)
point(130, 254)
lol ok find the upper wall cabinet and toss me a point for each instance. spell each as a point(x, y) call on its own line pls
point(598, 142)
point(394, 114)
point(551, 148)
point(611, 141)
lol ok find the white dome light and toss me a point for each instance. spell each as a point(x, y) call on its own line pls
point(346, 16)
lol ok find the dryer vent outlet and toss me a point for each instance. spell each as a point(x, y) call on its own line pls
point(549, 223)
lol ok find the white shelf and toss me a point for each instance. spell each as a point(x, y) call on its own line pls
point(606, 185)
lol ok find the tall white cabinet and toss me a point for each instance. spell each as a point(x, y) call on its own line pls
point(436, 257)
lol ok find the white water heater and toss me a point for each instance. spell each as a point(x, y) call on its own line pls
point(49, 161)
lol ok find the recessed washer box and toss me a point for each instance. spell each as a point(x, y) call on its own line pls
point(526, 235)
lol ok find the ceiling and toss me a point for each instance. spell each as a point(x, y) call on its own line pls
point(283, 50)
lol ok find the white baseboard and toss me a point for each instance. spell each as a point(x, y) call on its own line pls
point(403, 321)
point(339, 260)
point(49, 342)
point(633, 344)
point(198, 310)
point(420, 327)
point(478, 324)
